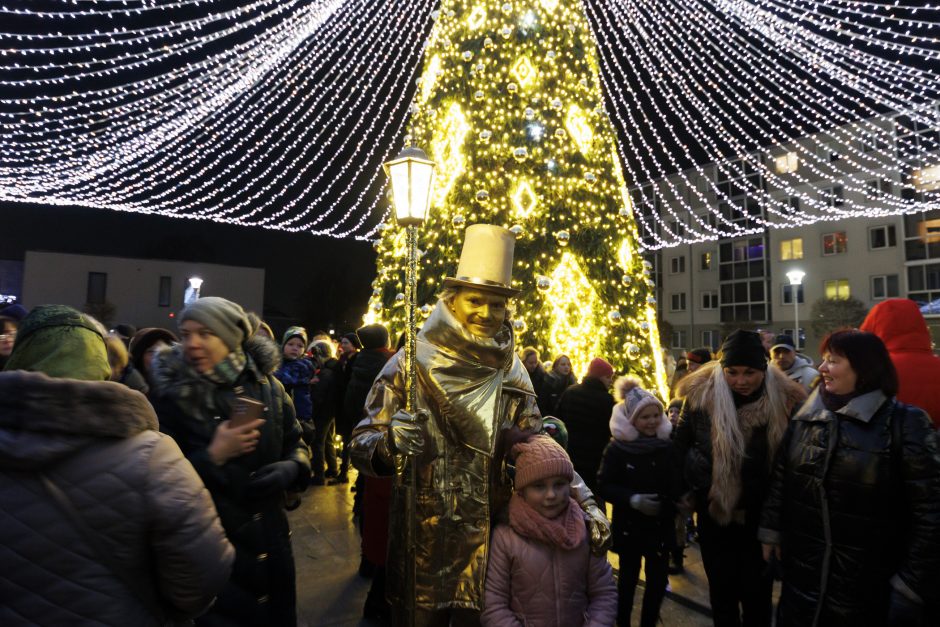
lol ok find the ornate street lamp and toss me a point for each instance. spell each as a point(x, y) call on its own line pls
point(411, 175)
point(796, 279)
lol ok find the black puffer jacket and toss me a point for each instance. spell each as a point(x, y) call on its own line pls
point(585, 409)
point(853, 512)
point(97, 441)
point(262, 587)
point(552, 386)
point(643, 466)
point(365, 368)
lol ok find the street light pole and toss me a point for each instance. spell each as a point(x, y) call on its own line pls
point(411, 175)
point(796, 279)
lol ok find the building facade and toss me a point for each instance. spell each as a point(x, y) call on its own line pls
point(142, 292)
point(705, 289)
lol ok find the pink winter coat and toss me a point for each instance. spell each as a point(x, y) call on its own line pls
point(532, 584)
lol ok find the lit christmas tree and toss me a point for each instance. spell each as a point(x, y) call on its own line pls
point(509, 106)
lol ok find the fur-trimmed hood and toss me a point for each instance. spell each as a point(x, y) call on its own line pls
point(706, 391)
point(168, 365)
point(43, 419)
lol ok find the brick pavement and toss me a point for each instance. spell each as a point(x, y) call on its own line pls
point(330, 593)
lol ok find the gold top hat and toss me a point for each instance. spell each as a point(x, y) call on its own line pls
point(486, 260)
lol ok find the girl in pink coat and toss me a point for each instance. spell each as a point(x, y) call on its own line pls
point(541, 571)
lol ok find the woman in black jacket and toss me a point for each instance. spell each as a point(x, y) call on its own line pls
point(734, 417)
point(247, 466)
point(854, 506)
point(559, 379)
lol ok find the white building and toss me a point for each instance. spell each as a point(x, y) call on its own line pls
point(709, 287)
point(143, 292)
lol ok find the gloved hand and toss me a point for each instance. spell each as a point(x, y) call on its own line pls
point(598, 528)
point(904, 611)
point(406, 433)
point(273, 478)
point(646, 504)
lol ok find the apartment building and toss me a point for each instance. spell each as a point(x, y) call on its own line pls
point(707, 288)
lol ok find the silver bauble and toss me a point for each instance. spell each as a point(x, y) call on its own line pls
point(633, 351)
point(563, 237)
point(458, 220)
point(516, 230)
point(483, 195)
point(542, 283)
point(521, 153)
point(615, 317)
point(529, 113)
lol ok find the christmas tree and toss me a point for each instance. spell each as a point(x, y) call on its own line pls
point(509, 106)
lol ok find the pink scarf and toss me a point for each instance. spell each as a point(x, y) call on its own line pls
point(566, 531)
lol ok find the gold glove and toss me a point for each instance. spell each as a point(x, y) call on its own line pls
point(598, 528)
point(406, 433)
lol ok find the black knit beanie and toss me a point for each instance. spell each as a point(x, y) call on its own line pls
point(743, 348)
point(373, 336)
point(353, 339)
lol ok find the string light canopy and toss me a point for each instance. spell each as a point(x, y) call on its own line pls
point(279, 113)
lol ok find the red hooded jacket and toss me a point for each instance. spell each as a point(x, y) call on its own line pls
point(899, 323)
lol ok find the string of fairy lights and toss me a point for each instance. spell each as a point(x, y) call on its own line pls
point(731, 116)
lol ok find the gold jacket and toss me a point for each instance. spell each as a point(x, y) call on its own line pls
point(477, 393)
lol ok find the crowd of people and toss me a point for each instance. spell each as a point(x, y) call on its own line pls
point(146, 475)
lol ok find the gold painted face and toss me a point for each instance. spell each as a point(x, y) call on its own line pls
point(481, 312)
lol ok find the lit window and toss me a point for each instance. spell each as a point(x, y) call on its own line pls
point(787, 163)
point(837, 288)
point(791, 249)
point(706, 261)
point(835, 243)
point(927, 179)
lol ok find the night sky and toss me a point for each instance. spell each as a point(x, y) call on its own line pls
point(319, 282)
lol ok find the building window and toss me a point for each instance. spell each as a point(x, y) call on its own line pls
point(678, 339)
point(711, 339)
point(922, 235)
point(882, 237)
point(678, 302)
point(802, 336)
point(164, 295)
point(833, 196)
point(706, 261)
point(884, 286)
point(830, 152)
point(876, 187)
point(837, 288)
point(788, 294)
point(787, 163)
point(835, 243)
point(923, 284)
point(677, 265)
point(709, 300)
point(677, 228)
point(97, 288)
point(791, 249)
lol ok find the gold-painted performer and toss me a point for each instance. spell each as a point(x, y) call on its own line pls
point(478, 400)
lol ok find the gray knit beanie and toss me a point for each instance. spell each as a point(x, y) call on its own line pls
point(226, 319)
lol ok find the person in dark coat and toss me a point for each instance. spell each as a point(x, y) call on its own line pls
point(363, 369)
point(248, 466)
point(324, 389)
point(559, 379)
point(8, 328)
point(585, 409)
point(735, 413)
point(854, 506)
point(639, 476)
point(530, 359)
point(145, 546)
point(146, 343)
point(295, 374)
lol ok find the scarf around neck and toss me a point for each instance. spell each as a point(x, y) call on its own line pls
point(567, 531)
point(466, 376)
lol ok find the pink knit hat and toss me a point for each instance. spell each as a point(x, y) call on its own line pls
point(538, 458)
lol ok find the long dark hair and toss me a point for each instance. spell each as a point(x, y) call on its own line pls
point(869, 358)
